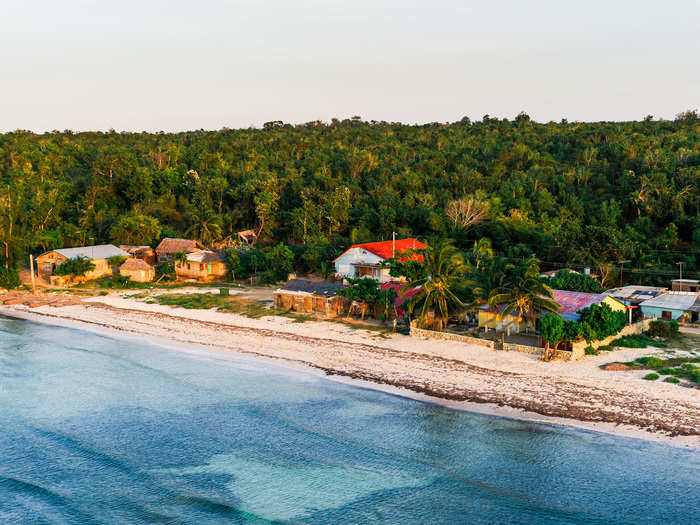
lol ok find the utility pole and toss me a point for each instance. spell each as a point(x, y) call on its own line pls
point(393, 244)
point(31, 271)
point(621, 263)
point(680, 269)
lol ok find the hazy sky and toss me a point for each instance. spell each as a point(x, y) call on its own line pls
point(173, 65)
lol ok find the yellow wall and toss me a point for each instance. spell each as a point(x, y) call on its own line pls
point(490, 320)
point(614, 304)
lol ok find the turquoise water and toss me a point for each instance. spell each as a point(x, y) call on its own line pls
point(96, 430)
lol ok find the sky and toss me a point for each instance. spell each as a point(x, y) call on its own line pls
point(170, 65)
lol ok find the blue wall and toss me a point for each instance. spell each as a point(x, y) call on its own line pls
point(655, 311)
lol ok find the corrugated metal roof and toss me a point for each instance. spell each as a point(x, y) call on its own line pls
point(633, 293)
point(204, 256)
point(311, 287)
point(103, 251)
point(572, 302)
point(683, 301)
point(695, 307)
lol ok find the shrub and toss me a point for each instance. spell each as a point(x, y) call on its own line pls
point(281, 260)
point(672, 379)
point(591, 351)
point(9, 278)
point(663, 329)
point(666, 371)
point(651, 377)
point(605, 348)
point(600, 321)
point(165, 271)
point(78, 266)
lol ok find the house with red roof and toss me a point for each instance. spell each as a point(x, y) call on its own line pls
point(366, 259)
point(571, 304)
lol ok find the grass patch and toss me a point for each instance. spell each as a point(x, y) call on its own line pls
point(651, 362)
point(605, 348)
point(651, 377)
point(667, 371)
point(671, 379)
point(637, 341)
point(226, 303)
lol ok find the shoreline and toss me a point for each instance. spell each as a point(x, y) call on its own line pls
point(496, 409)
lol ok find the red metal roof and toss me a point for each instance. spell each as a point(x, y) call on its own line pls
point(384, 249)
point(572, 302)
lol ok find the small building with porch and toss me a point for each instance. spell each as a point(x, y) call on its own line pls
point(367, 259)
point(203, 265)
point(312, 297)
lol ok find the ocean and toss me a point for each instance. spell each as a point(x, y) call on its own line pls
point(100, 430)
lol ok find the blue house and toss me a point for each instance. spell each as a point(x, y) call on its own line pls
point(672, 305)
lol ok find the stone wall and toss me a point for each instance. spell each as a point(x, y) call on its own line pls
point(447, 336)
point(526, 349)
point(630, 329)
point(574, 355)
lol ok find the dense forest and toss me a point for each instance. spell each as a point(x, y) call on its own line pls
point(572, 194)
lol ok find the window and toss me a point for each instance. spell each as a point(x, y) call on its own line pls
point(364, 271)
point(201, 267)
point(209, 268)
point(666, 315)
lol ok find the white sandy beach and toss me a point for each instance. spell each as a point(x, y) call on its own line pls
point(458, 375)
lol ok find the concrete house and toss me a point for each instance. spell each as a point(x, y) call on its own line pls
point(49, 261)
point(169, 246)
point(365, 260)
point(673, 306)
point(202, 265)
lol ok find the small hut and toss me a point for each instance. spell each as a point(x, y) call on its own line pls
point(169, 247)
point(314, 297)
point(137, 270)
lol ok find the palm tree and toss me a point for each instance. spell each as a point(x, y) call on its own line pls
point(206, 230)
point(445, 268)
point(524, 296)
point(180, 258)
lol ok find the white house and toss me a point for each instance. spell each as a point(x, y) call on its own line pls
point(365, 260)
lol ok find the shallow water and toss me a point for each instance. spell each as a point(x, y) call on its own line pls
point(107, 431)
